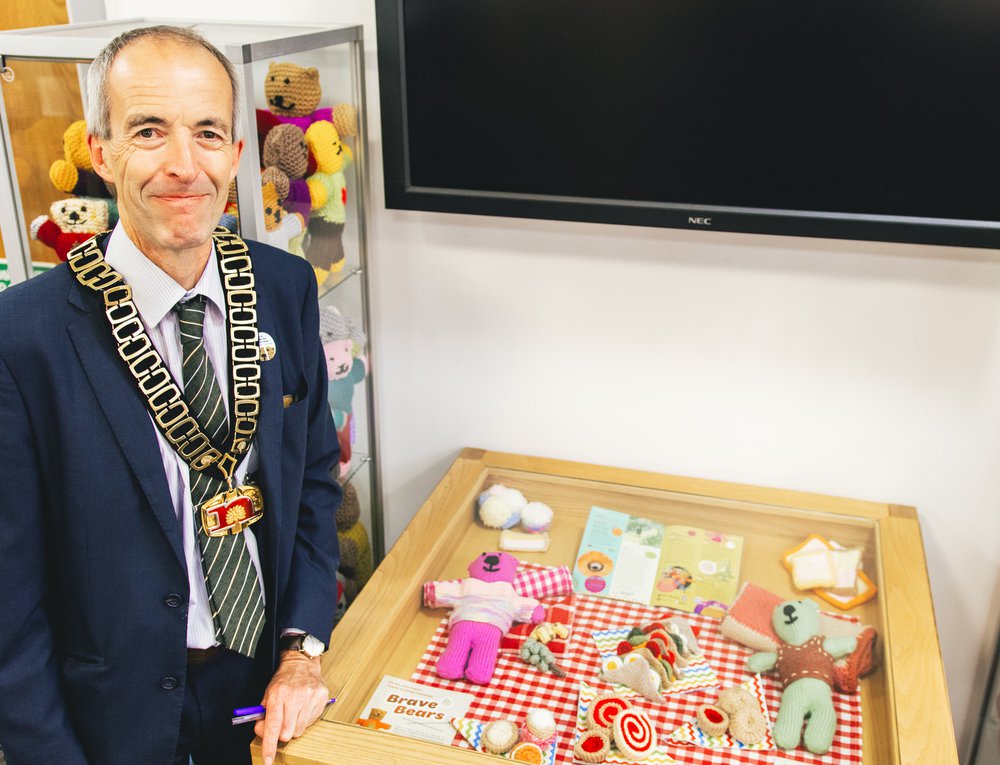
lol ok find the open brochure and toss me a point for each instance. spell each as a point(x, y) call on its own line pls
point(674, 566)
point(414, 710)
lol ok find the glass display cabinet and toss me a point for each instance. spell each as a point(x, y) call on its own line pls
point(302, 185)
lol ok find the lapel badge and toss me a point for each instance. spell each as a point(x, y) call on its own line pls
point(267, 347)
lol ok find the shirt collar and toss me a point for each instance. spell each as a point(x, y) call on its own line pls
point(153, 290)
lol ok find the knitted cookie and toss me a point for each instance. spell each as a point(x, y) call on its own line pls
point(592, 746)
point(603, 711)
point(539, 727)
point(527, 752)
point(746, 723)
point(500, 736)
point(634, 734)
point(713, 721)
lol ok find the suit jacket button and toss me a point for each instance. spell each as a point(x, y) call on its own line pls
point(168, 683)
point(172, 600)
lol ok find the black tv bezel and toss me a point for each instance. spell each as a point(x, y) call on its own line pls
point(400, 194)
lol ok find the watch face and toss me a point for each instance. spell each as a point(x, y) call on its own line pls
point(312, 646)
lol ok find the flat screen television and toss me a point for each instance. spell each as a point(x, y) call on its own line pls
point(856, 119)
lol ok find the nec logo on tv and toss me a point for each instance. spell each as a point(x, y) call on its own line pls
point(699, 221)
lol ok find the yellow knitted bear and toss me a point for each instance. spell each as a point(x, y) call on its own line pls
point(74, 174)
point(328, 192)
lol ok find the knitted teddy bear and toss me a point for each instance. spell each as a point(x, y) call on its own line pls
point(293, 94)
point(484, 607)
point(804, 665)
point(70, 222)
point(328, 192)
point(355, 549)
point(283, 230)
point(74, 174)
point(285, 152)
point(346, 366)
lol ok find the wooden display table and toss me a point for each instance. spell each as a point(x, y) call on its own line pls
point(907, 719)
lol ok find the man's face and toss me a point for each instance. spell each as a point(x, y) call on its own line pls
point(170, 153)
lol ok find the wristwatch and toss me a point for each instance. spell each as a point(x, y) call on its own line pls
point(307, 644)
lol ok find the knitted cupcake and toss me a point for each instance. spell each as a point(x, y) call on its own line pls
point(539, 727)
point(500, 736)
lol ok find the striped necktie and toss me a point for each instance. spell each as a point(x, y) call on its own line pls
point(233, 587)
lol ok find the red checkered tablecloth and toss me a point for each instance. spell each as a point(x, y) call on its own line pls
point(517, 687)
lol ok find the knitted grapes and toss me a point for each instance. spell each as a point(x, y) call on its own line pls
point(538, 655)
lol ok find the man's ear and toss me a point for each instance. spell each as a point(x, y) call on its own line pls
point(97, 159)
point(237, 153)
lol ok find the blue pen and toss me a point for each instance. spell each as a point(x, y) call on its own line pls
point(249, 714)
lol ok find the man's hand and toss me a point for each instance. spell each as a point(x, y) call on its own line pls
point(294, 699)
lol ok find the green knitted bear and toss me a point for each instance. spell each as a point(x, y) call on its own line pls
point(804, 665)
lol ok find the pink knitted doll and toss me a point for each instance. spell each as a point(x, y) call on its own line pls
point(484, 607)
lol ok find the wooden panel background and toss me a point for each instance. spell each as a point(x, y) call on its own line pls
point(41, 102)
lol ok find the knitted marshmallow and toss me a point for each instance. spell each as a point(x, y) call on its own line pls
point(500, 507)
point(536, 517)
point(496, 512)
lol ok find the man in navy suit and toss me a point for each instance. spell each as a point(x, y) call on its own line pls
point(136, 613)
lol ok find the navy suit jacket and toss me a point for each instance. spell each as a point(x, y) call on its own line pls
point(93, 584)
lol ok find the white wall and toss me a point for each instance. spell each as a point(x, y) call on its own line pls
point(849, 368)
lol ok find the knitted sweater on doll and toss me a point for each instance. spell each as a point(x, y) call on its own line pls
point(493, 603)
point(807, 660)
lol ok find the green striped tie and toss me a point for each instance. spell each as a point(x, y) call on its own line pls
point(233, 587)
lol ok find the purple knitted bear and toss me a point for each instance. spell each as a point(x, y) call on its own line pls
point(484, 607)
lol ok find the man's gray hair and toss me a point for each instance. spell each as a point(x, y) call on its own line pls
point(98, 104)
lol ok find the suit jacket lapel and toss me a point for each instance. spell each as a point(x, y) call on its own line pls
point(269, 432)
point(119, 400)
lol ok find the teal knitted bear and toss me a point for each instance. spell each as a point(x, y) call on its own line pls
point(804, 665)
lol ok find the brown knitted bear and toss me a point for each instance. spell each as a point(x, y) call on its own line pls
point(355, 549)
point(292, 90)
point(286, 153)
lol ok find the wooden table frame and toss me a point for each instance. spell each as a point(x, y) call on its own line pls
point(905, 701)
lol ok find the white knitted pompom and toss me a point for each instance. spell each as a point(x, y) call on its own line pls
point(497, 512)
point(536, 517)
